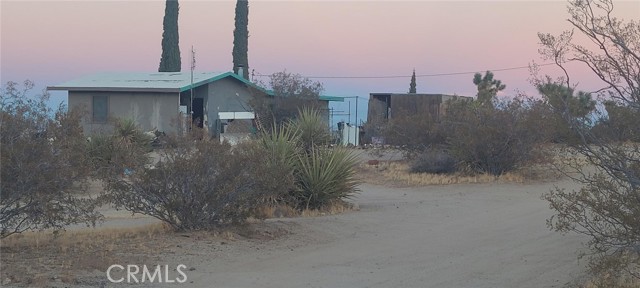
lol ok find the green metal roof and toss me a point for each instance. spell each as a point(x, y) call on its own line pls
point(156, 82)
point(332, 98)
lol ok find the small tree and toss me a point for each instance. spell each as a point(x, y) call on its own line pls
point(44, 165)
point(170, 59)
point(488, 87)
point(606, 207)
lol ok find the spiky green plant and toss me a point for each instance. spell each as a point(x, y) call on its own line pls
point(312, 127)
point(129, 134)
point(325, 175)
point(282, 145)
point(101, 150)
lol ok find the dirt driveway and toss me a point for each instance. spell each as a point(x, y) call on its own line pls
point(481, 235)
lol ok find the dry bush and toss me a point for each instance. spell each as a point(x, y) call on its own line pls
point(493, 140)
point(200, 184)
point(434, 161)
point(44, 165)
point(123, 150)
point(413, 132)
point(621, 124)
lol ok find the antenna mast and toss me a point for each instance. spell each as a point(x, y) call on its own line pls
point(193, 67)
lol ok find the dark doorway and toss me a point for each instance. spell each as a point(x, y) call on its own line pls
point(198, 111)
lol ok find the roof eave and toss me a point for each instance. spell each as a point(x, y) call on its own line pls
point(113, 89)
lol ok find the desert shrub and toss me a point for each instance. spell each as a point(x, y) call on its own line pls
point(44, 165)
point(564, 102)
point(125, 149)
point(414, 132)
point(493, 140)
point(200, 184)
point(434, 161)
point(325, 175)
point(622, 123)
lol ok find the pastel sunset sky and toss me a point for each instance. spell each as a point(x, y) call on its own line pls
point(51, 42)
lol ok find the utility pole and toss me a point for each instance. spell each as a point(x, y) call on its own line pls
point(193, 67)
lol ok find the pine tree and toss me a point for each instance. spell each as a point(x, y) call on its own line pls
point(170, 60)
point(412, 86)
point(241, 38)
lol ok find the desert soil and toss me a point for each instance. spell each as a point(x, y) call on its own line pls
point(489, 235)
point(467, 235)
point(476, 235)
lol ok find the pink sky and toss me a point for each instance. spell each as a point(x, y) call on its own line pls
point(56, 41)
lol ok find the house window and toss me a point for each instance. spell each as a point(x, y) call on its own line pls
point(100, 108)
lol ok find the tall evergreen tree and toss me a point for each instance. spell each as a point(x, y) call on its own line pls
point(170, 60)
point(241, 38)
point(412, 86)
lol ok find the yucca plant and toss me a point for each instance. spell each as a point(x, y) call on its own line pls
point(325, 175)
point(282, 149)
point(312, 127)
point(129, 134)
point(282, 145)
point(124, 150)
point(100, 149)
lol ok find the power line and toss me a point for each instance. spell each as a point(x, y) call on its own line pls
point(422, 75)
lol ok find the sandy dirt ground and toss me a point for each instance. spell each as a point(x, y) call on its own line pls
point(466, 235)
point(491, 235)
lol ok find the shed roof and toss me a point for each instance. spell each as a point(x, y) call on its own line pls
point(155, 82)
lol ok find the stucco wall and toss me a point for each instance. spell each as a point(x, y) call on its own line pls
point(149, 110)
point(226, 95)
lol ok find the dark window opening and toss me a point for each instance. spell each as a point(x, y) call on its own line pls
point(198, 111)
point(100, 108)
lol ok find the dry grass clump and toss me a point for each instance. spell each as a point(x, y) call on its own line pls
point(284, 211)
point(398, 173)
point(36, 258)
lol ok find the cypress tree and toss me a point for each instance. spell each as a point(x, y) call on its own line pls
point(170, 60)
point(412, 86)
point(241, 38)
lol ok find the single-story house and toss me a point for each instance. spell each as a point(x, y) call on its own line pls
point(386, 106)
point(160, 100)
